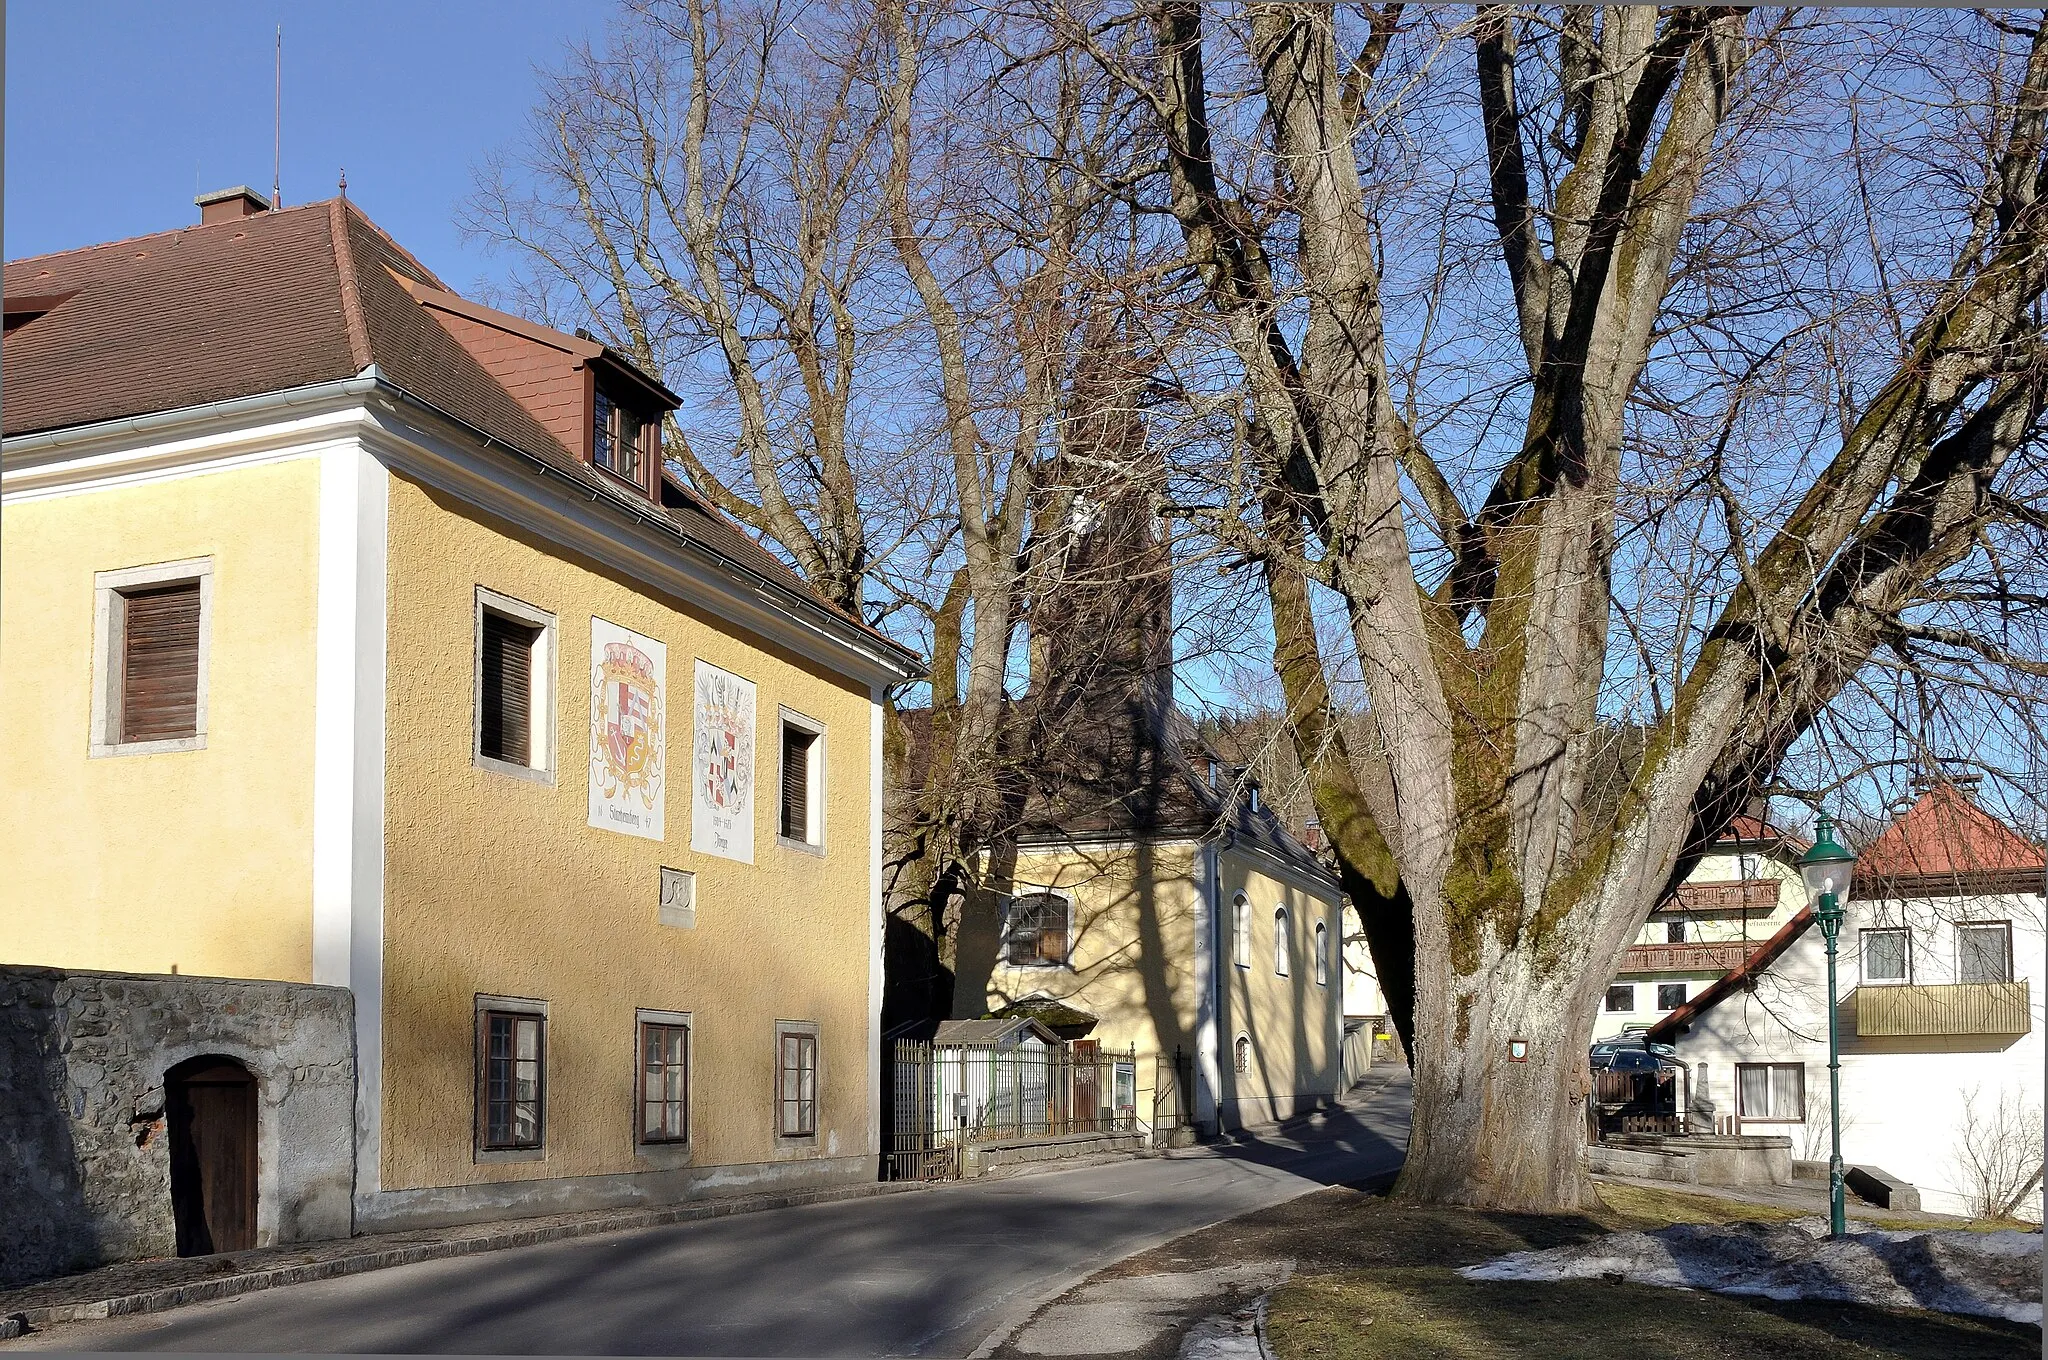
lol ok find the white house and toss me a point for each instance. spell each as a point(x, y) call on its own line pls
point(1939, 1012)
point(1740, 894)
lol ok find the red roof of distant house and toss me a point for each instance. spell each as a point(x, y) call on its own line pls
point(1945, 845)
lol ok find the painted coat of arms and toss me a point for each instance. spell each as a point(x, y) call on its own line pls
point(628, 684)
point(722, 765)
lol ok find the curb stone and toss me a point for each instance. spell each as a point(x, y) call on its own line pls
point(373, 1258)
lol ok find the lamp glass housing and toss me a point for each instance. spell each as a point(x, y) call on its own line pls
point(1826, 867)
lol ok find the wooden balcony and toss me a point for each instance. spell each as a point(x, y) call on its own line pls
point(1735, 897)
point(1686, 958)
point(1957, 1008)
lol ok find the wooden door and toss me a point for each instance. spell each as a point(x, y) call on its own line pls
point(1087, 1084)
point(211, 1105)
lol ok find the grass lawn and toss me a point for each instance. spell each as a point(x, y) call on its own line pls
point(1387, 1287)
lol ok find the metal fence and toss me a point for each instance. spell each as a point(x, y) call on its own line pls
point(944, 1097)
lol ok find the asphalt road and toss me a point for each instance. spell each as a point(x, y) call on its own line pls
point(932, 1273)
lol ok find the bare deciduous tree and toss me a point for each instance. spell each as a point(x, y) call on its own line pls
point(1998, 1151)
point(1508, 825)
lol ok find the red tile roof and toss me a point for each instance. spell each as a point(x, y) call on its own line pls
point(279, 300)
point(1947, 845)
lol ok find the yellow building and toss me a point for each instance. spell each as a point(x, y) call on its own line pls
point(353, 637)
point(1142, 885)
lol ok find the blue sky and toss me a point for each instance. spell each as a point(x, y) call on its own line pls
point(116, 111)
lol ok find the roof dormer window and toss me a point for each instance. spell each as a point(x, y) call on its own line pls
point(618, 440)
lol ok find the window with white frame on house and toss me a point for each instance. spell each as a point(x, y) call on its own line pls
point(1674, 931)
point(151, 662)
point(1670, 995)
point(664, 1078)
point(1037, 930)
point(514, 684)
point(796, 1079)
point(800, 805)
point(1984, 952)
point(1241, 932)
point(1283, 944)
point(1887, 956)
point(1771, 1091)
point(1322, 955)
point(511, 1075)
point(1621, 997)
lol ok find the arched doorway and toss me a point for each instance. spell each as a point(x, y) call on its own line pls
point(211, 1106)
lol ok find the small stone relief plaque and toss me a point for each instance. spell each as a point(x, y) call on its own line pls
point(678, 898)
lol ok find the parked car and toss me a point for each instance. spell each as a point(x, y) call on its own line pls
point(1633, 1043)
point(1627, 1060)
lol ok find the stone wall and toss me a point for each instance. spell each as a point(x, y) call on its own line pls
point(84, 1161)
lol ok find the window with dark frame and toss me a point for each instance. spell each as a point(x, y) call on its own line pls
point(505, 710)
point(513, 1048)
point(1887, 956)
point(1037, 930)
point(1670, 995)
point(1984, 952)
point(1621, 997)
point(615, 438)
point(798, 749)
point(664, 1082)
point(1771, 1091)
point(797, 1084)
point(160, 662)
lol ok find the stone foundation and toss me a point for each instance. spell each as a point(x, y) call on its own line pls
point(84, 1161)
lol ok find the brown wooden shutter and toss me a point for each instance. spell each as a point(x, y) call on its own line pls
point(160, 663)
point(796, 783)
point(506, 716)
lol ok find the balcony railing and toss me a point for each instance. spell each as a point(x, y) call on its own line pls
point(1958, 1008)
point(1686, 958)
point(1736, 895)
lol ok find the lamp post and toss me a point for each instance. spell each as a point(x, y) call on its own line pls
point(1826, 870)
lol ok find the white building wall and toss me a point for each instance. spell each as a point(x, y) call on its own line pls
point(1903, 1099)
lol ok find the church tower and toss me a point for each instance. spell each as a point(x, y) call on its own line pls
point(1101, 620)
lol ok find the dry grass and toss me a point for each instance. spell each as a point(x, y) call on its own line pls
point(1383, 1285)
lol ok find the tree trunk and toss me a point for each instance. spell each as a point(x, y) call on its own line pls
point(1491, 1131)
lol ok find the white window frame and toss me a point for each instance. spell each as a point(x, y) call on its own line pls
point(1796, 1117)
point(1241, 931)
point(1241, 1054)
point(1322, 955)
point(109, 623)
point(2004, 927)
point(1658, 995)
point(1065, 962)
point(540, 703)
point(1864, 975)
point(814, 809)
point(1608, 996)
point(1283, 943)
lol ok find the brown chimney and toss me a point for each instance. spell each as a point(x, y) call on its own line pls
point(226, 205)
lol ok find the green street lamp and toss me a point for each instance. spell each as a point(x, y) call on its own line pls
point(1826, 869)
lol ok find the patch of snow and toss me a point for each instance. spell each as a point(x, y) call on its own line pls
point(1996, 1274)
